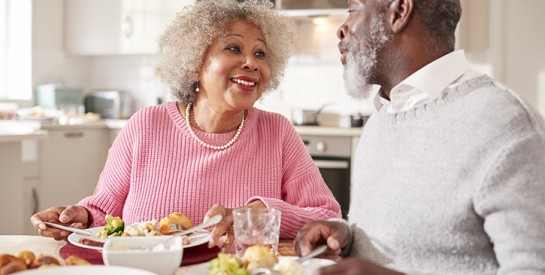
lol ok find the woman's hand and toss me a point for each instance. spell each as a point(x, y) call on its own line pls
point(222, 234)
point(72, 215)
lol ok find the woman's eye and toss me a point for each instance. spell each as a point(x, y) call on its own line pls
point(233, 49)
point(260, 54)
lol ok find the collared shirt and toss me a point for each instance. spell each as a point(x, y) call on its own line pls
point(428, 83)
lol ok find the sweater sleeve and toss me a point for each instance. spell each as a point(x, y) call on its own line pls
point(305, 196)
point(113, 185)
point(512, 205)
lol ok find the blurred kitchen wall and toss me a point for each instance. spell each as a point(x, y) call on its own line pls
point(50, 63)
point(502, 38)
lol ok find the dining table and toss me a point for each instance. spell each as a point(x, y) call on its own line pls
point(12, 244)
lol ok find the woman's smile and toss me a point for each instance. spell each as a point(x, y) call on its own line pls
point(245, 83)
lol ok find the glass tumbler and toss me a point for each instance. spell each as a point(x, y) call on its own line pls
point(256, 226)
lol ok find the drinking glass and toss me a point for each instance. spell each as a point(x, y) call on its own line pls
point(256, 226)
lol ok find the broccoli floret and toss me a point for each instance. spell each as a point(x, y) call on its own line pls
point(114, 226)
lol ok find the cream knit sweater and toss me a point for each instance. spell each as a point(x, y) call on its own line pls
point(453, 186)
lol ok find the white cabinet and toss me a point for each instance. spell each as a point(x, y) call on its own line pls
point(19, 181)
point(117, 26)
point(11, 184)
point(71, 161)
point(31, 182)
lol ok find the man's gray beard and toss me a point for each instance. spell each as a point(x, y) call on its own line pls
point(361, 59)
point(356, 78)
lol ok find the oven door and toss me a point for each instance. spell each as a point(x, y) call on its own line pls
point(336, 174)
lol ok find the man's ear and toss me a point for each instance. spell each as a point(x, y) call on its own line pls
point(399, 14)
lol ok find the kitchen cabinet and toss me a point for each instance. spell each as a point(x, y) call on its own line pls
point(18, 181)
point(71, 160)
point(11, 196)
point(31, 182)
point(101, 27)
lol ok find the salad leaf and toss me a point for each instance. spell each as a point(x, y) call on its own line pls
point(226, 264)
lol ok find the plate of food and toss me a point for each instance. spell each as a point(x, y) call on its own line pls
point(96, 242)
point(257, 256)
point(116, 227)
point(88, 270)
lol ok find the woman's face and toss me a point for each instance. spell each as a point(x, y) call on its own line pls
point(235, 69)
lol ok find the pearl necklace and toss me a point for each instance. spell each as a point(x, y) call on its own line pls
point(215, 147)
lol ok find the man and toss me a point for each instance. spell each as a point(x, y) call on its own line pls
point(450, 172)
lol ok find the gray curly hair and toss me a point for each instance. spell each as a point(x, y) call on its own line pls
point(184, 43)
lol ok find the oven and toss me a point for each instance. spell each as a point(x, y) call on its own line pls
point(331, 154)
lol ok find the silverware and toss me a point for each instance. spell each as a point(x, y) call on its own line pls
point(212, 221)
point(71, 229)
point(316, 252)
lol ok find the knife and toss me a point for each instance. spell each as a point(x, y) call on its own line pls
point(71, 229)
point(212, 221)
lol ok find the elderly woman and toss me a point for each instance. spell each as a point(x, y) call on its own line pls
point(210, 151)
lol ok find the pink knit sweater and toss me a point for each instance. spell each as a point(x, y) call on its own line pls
point(155, 167)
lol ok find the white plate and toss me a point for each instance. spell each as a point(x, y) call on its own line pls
point(308, 267)
point(197, 238)
point(87, 270)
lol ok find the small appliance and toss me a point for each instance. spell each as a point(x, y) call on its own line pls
point(54, 96)
point(111, 104)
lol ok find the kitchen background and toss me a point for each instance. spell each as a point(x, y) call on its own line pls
point(90, 45)
point(501, 38)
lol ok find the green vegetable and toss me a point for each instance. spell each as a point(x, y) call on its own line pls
point(226, 264)
point(114, 227)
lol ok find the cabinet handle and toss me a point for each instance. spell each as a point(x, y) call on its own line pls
point(73, 135)
point(128, 26)
point(35, 200)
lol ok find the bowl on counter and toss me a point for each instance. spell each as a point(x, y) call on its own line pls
point(164, 256)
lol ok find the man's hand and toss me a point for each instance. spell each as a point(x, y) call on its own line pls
point(335, 234)
point(356, 266)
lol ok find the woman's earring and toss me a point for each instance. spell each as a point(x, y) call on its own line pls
point(197, 87)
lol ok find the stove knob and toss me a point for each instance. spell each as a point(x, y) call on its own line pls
point(320, 146)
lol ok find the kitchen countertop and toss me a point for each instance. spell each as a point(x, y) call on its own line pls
point(329, 131)
point(8, 137)
point(106, 123)
point(118, 124)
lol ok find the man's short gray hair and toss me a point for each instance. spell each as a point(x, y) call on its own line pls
point(439, 18)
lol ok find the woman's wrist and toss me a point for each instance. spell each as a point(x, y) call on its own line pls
point(89, 218)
